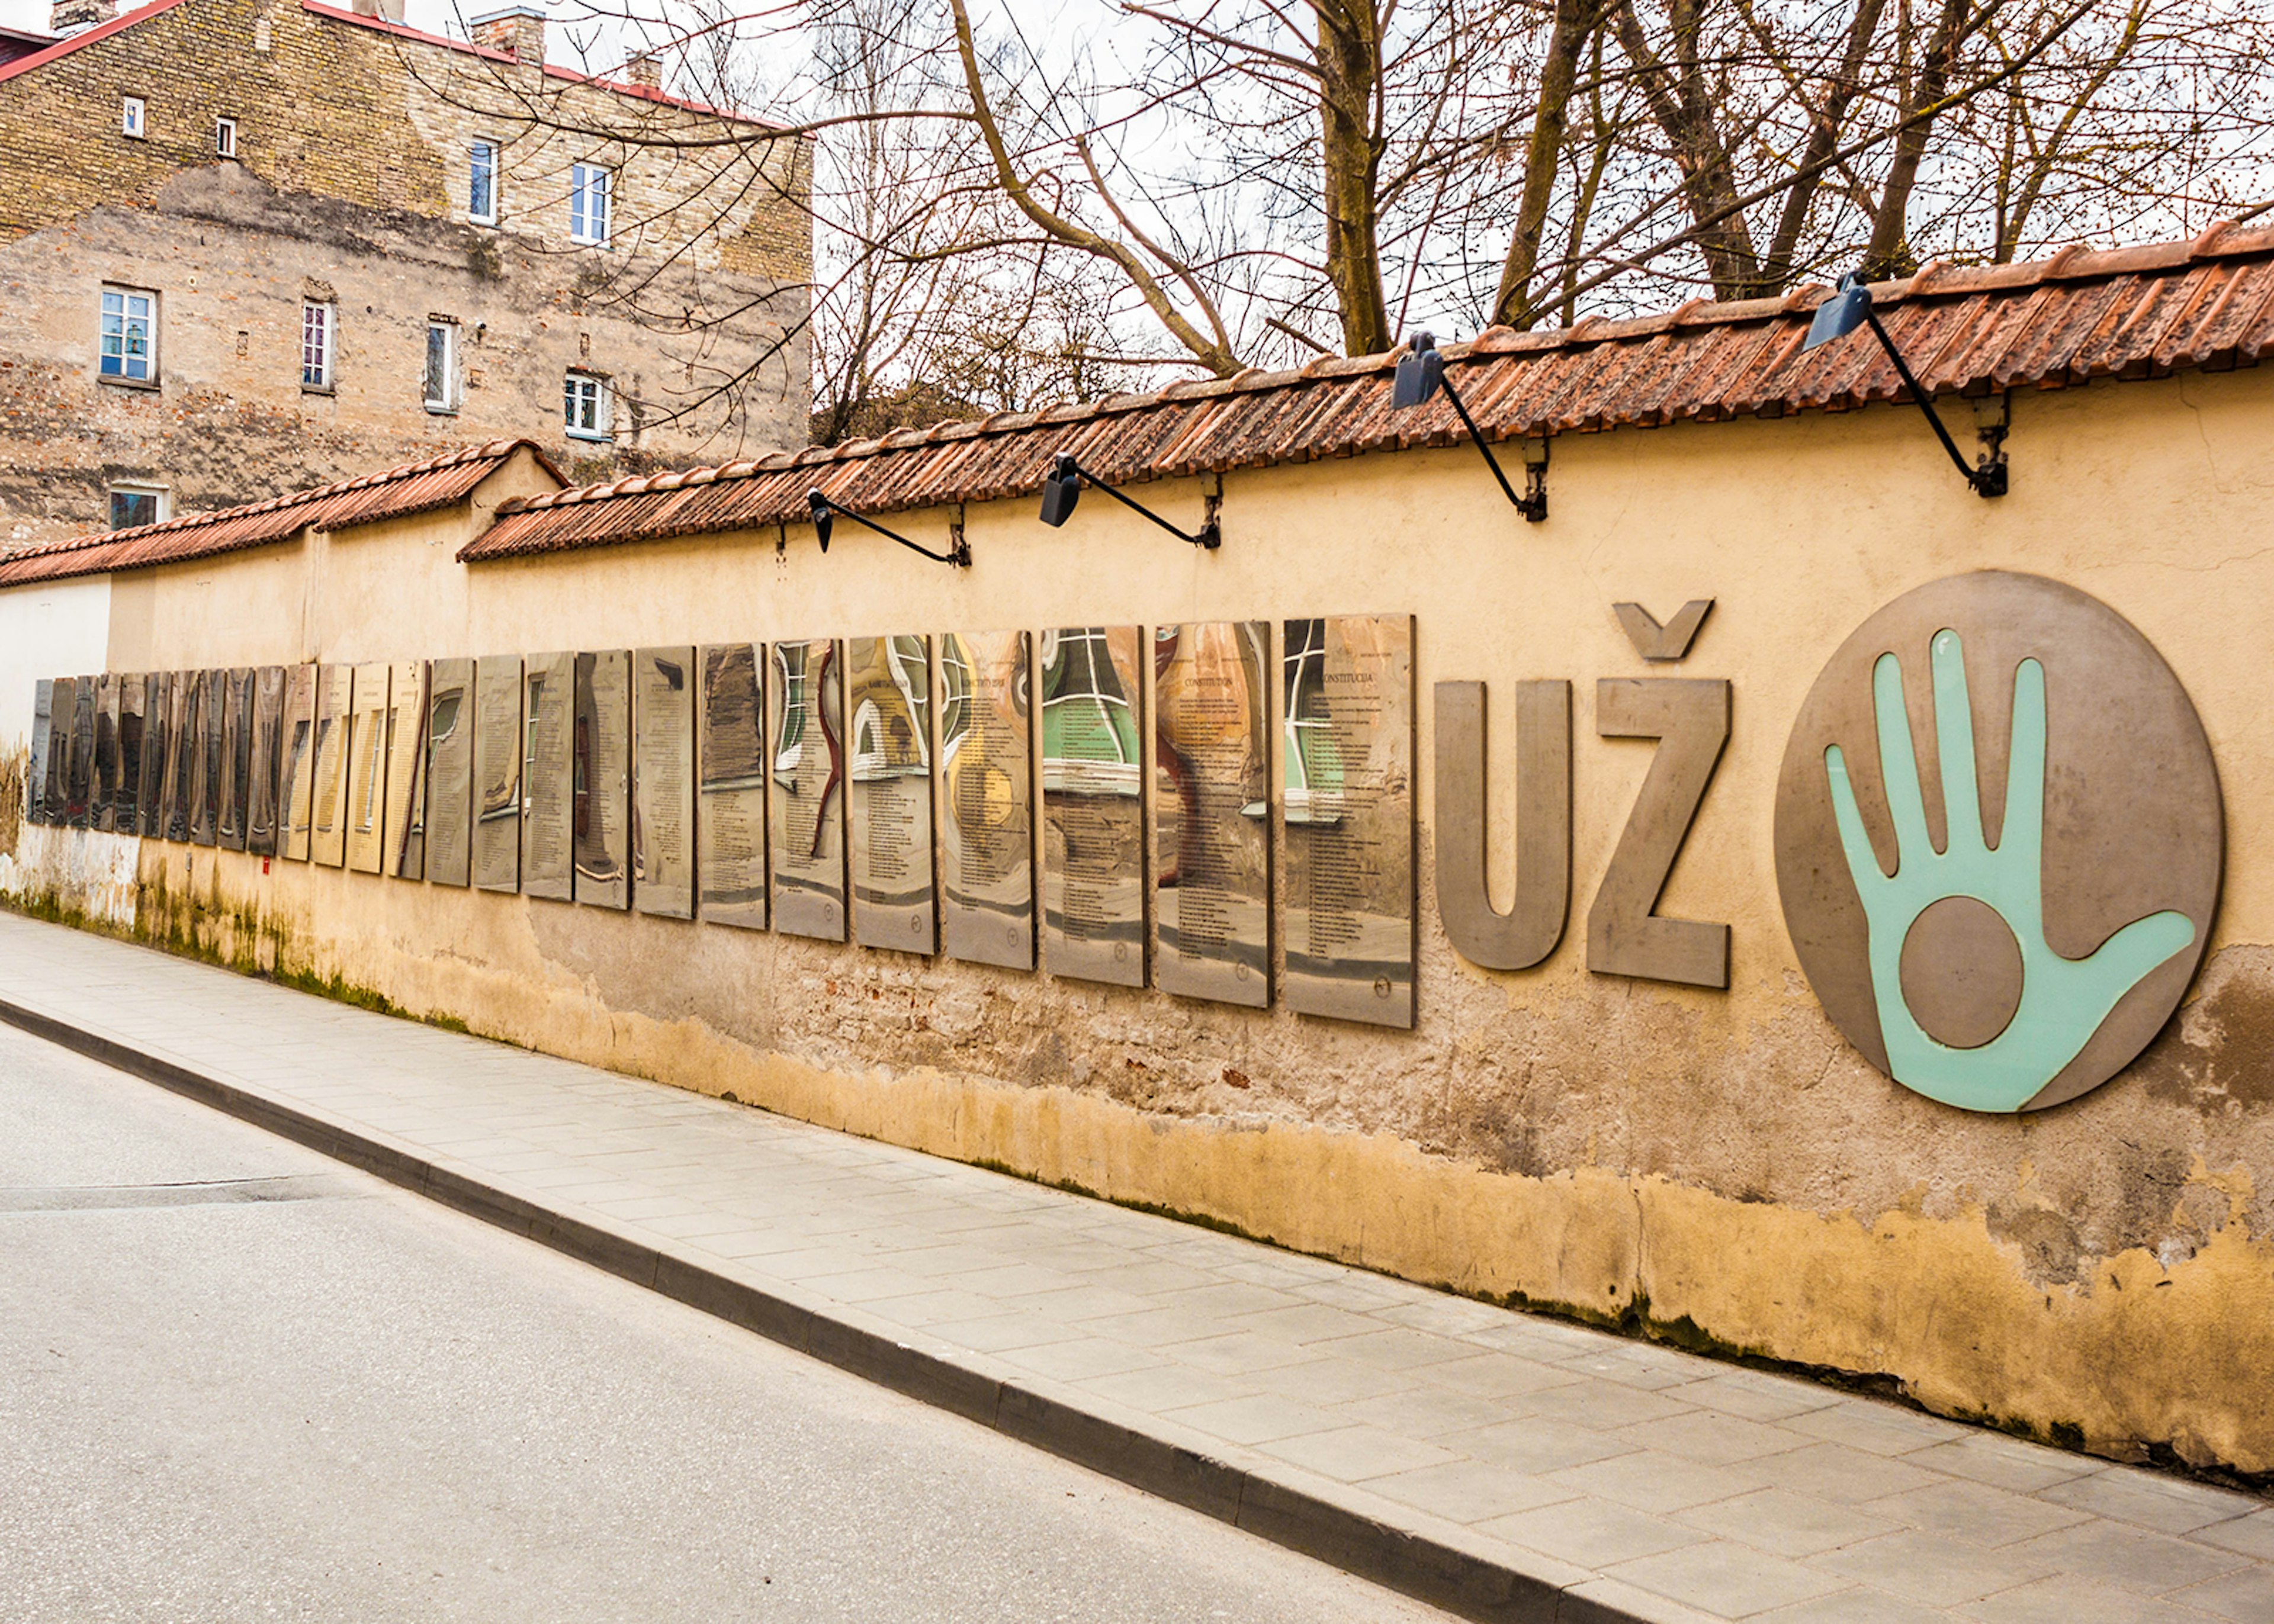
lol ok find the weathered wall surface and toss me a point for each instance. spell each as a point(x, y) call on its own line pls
point(352, 188)
point(1718, 1165)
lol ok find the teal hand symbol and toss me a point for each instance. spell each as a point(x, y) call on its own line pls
point(2063, 1000)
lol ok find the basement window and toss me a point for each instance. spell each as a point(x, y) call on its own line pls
point(133, 118)
point(224, 138)
point(584, 406)
point(130, 335)
point(133, 505)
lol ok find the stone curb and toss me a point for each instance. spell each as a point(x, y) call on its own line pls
point(1462, 1582)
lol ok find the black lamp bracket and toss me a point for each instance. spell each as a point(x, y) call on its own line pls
point(1209, 536)
point(1533, 503)
point(958, 552)
point(1987, 477)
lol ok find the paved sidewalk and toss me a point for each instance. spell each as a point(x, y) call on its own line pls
point(1503, 1465)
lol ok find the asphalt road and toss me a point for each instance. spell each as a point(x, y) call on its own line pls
point(238, 1381)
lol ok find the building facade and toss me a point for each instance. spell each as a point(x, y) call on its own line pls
point(1594, 914)
point(249, 246)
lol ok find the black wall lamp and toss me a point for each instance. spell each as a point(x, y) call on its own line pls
point(959, 554)
point(1420, 374)
point(1062, 489)
point(1851, 308)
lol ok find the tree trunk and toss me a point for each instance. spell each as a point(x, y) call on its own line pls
point(1576, 22)
point(1349, 54)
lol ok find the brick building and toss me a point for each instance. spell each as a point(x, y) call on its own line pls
point(248, 246)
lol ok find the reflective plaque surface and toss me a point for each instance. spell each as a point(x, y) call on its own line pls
point(157, 745)
point(260, 821)
point(126, 792)
point(236, 757)
point(603, 777)
point(1212, 810)
point(327, 836)
point(1093, 804)
point(85, 702)
point(181, 752)
point(987, 799)
point(663, 782)
point(404, 856)
point(548, 765)
point(805, 809)
point(63, 703)
point(497, 752)
point(888, 810)
point(730, 824)
point(296, 774)
point(35, 767)
point(101, 811)
point(211, 762)
point(366, 808)
point(1347, 769)
point(450, 771)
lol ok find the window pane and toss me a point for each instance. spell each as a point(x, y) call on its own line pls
point(437, 363)
point(482, 201)
point(316, 346)
point(128, 508)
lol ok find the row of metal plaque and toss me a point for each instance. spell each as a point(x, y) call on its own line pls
point(809, 785)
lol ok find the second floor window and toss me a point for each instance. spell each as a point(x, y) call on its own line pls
point(584, 406)
point(133, 118)
point(588, 203)
point(133, 505)
point(441, 366)
point(224, 138)
point(130, 335)
point(481, 183)
point(318, 337)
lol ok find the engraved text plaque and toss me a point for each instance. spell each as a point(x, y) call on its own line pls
point(806, 807)
point(987, 799)
point(888, 808)
point(730, 825)
point(1093, 804)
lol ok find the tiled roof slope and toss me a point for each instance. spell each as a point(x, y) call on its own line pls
point(2131, 313)
point(414, 487)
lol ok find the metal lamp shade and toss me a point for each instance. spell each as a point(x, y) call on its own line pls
point(1419, 373)
point(822, 519)
point(1841, 314)
point(1061, 492)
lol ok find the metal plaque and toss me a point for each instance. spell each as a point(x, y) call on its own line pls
point(603, 778)
point(366, 776)
point(448, 817)
point(548, 766)
point(295, 773)
point(35, 767)
point(888, 803)
point(1347, 793)
point(730, 825)
point(62, 700)
point(328, 832)
point(207, 761)
point(181, 752)
point(79, 795)
point(126, 790)
point(261, 819)
point(663, 782)
point(236, 757)
point(157, 741)
point(101, 811)
point(497, 752)
point(805, 812)
point(1093, 804)
point(405, 847)
point(987, 799)
point(1212, 810)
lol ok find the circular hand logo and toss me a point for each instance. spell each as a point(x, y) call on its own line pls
point(1998, 841)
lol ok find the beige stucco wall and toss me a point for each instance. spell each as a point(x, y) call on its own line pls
point(1715, 1165)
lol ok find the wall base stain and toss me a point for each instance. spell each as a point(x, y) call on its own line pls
point(1949, 1306)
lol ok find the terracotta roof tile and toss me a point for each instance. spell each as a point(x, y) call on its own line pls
point(414, 487)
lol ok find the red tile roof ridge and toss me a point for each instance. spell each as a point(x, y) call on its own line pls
point(1754, 376)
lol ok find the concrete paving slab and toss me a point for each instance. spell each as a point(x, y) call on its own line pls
point(1503, 1464)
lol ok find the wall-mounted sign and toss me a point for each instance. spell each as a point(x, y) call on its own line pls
point(1093, 804)
point(1998, 841)
point(1212, 810)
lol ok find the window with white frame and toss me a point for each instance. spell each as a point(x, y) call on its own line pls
point(133, 505)
point(588, 203)
point(130, 335)
point(133, 118)
point(584, 406)
point(442, 383)
point(224, 138)
point(318, 345)
point(482, 183)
